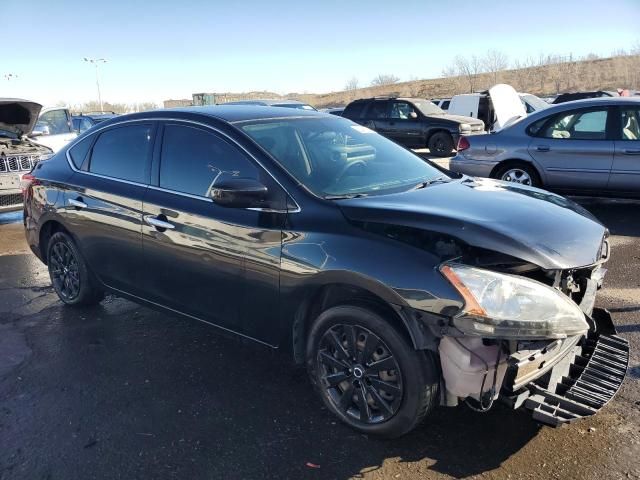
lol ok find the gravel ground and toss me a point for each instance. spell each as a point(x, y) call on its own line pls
point(120, 391)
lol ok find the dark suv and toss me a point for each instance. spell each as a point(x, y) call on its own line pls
point(413, 122)
point(402, 287)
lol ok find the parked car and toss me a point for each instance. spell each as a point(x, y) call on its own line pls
point(333, 110)
point(274, 103)
point(18, 154)
point(401, 287)
point(570, 97)
point(585, 146)
point(412, 122)
point(497, 106)
point(84, 121)
point(443, 103)
point(53, 128)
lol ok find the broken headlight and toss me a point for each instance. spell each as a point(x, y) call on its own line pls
point(508, 306)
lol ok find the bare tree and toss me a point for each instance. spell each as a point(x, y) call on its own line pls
point(384, 79)
point(524, 73)
point(635, 48)
point(495, 62)
point(352, 84)
point(470, 68)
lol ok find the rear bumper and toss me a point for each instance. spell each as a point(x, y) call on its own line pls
point(474, 168)
point(584, 376)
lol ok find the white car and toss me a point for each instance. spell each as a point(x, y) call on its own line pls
point(53, 128)
point(497, 106)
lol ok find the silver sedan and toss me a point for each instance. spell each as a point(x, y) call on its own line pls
point(586, 146)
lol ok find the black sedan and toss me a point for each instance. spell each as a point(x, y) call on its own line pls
point(401, 286)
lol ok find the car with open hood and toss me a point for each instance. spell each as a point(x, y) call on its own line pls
point(54, 128)
point(412, 122)
point(400, 285)
point(18, 154)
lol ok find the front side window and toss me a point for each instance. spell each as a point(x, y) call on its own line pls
point(122, 152)
point(56, 122)
point(577, 125)
point(630, 124)
point(402, 111)
point(335, 157)
point(193, 160)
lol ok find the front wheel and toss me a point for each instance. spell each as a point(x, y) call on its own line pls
point(441, 144)
point(368, 374)
point(70, 275)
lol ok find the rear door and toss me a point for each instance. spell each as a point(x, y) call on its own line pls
point(402, 127)
point(575, 148)
point(625, 172)
point(103, 204)
point(215, 263)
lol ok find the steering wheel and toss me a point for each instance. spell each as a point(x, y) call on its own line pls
point(348, 167)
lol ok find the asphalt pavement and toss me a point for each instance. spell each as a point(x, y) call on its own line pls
point(121, 391)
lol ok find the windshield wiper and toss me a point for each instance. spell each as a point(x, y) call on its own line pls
point(426, 183)
point(344, 196)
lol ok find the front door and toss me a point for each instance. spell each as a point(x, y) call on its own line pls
point(404, 125)
point(625, 172)
point(575, 148)
point(197, 254)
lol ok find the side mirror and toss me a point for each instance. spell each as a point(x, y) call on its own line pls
point(413, 115)
point(239, 193)
point(40, 130)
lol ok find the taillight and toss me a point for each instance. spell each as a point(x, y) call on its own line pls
point(463, 144)
point(26, 181)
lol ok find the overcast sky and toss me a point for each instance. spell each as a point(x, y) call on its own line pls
point(159, 49)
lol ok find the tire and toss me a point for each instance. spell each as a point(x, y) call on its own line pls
point(411, 377)
point(518, 172)
point(70, 276)
point(441, 144)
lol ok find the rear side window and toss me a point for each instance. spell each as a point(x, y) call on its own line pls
point(353, 110)
point(122, 153)
point(79, 151)
point(193, 160)
point(378, 110)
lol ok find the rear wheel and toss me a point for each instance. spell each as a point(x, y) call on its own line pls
point(70, 276)
point(368, 374)
point(441, 144)
point(519, 172)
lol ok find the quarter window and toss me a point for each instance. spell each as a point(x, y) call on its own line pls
point(577, 125)
point(79, 151)
point(193, 160)
point(122, 152)
point(630, 124)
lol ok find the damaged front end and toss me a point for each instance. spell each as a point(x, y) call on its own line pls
point(533, 340)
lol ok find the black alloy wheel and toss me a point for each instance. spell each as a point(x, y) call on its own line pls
point(360, 374)
point(65, 276)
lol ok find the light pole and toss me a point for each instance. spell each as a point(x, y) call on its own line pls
point(96, 62)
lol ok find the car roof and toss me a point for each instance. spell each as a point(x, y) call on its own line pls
point(586, 102)
point(227, 113)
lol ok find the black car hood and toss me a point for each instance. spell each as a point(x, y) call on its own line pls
point(18, 116)
point(527, 223)
point(456, 118)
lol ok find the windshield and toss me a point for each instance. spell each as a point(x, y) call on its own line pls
point(536, 103)
point(336, 157)
point(428, 108)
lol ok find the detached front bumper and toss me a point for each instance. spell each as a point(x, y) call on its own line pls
point(584, 375)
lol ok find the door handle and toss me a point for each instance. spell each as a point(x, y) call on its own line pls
point(77, 202)
point(629, 151)
point(158, 223)
point(543, 148)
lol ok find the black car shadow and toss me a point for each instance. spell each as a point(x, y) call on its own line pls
point(168, 397)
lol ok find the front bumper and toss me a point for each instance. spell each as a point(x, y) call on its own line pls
point(585, 375)
point(11, 200)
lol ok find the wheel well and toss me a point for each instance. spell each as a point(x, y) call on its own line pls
point(46, 232)
point(438, 130)
point(333, 295)
point(512, 162)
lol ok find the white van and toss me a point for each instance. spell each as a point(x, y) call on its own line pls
point(53, 128)
point(497, 107)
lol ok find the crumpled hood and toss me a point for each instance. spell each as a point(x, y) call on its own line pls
point(507, 105)
point(527, 223)
point(18, 116)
